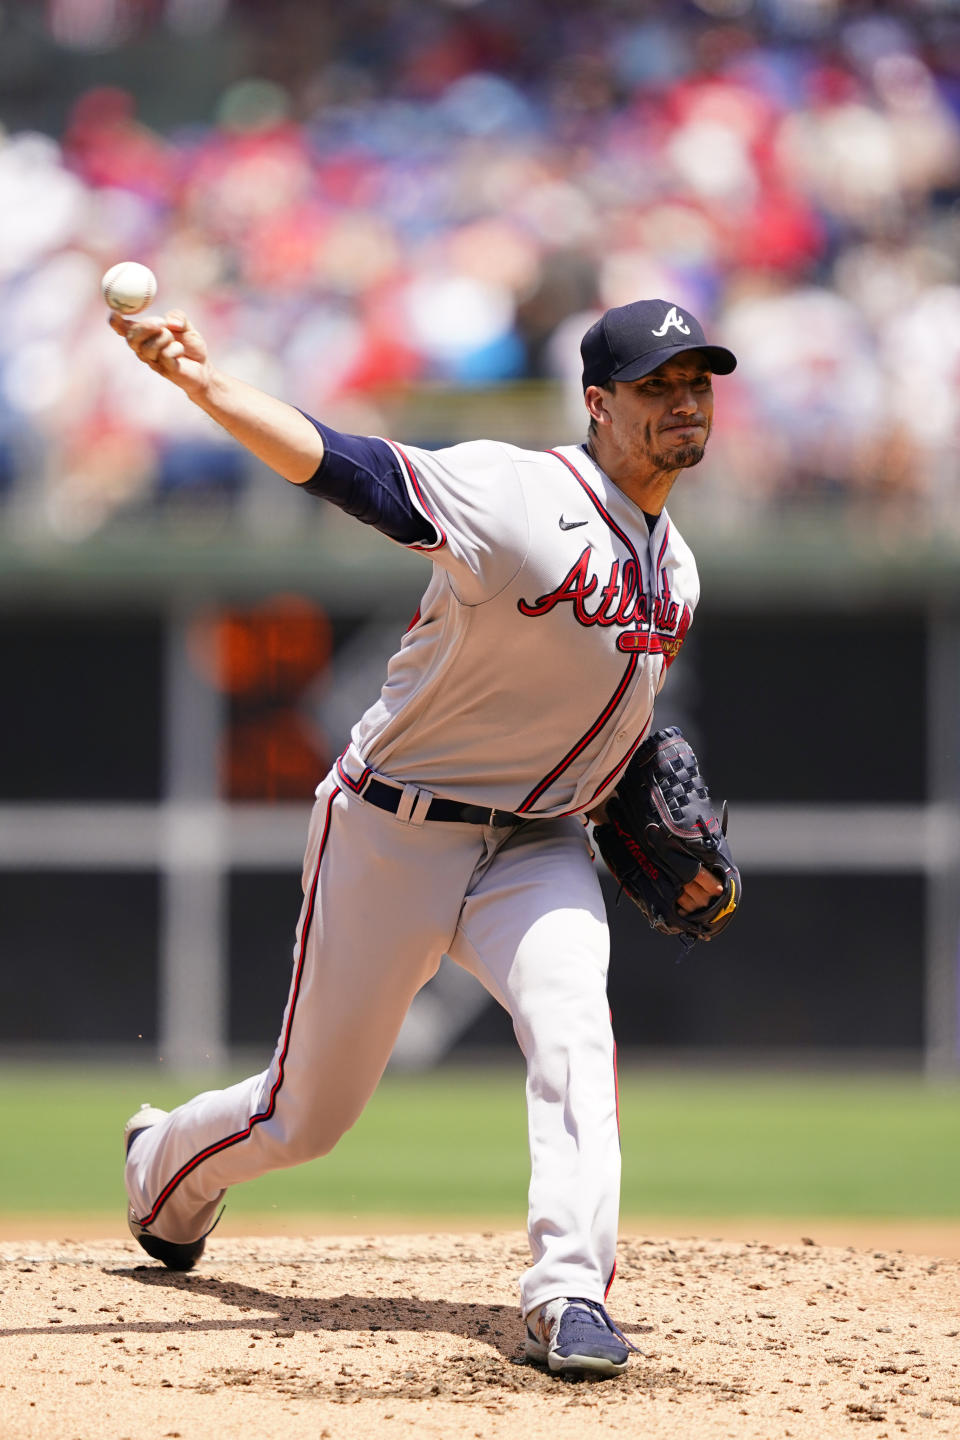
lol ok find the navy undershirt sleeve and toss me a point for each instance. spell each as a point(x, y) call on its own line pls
point(362, 476)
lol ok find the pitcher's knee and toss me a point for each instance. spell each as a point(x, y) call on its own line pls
point(563, 1016)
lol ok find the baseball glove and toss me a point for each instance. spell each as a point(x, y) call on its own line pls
point(660, 827)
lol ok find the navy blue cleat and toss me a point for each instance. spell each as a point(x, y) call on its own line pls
point(576, 1337)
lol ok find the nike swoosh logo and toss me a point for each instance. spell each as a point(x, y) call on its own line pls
point(572, 524)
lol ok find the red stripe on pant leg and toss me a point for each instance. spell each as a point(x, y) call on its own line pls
point(265, 1114)
point(616, 1080)
point(616, 1091)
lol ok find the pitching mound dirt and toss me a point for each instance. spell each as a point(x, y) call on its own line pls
point(350, 1337)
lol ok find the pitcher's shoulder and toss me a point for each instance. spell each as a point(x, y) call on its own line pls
point(472, 455)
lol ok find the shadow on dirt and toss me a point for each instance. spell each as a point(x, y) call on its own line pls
point(497, 1325)
point(491, 1367)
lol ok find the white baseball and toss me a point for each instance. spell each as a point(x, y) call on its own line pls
point(129, 287)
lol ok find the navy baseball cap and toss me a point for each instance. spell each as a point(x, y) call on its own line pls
point(631, 340)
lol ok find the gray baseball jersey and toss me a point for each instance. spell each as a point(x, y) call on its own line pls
point(529, 674)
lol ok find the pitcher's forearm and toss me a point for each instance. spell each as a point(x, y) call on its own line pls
point(269, 428)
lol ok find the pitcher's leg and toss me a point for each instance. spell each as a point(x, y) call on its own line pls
point(364, 947)
point(534, 931)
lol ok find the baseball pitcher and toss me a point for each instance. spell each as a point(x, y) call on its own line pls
point(518, 703)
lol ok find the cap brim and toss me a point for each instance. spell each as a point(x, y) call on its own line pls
point(719, 360)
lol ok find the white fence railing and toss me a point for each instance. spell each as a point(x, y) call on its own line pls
point(194, 846)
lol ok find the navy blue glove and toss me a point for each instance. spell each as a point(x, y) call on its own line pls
point(660, 827)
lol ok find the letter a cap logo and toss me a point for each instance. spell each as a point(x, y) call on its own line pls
point(672, 321)
point(629, 341)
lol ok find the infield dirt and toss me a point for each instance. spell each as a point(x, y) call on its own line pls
point(338, 1338)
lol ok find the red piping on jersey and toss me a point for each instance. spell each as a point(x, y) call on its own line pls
point(355, 785)
point(415, 483)
point(579, 809)
point(662, 552)
point(618, 694)
point(620, 763)
point(584, 740)
point(264, 1114)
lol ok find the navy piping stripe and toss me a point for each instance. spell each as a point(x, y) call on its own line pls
point(615, 699)
point(412, 476)
point(230, 1140)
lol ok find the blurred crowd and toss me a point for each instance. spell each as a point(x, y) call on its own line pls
point(391, 194)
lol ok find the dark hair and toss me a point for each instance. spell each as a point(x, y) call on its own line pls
point(609, 386)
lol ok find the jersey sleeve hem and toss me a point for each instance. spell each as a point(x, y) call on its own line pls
point(417, 498)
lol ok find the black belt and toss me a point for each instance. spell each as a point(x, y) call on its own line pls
point(386, 797)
